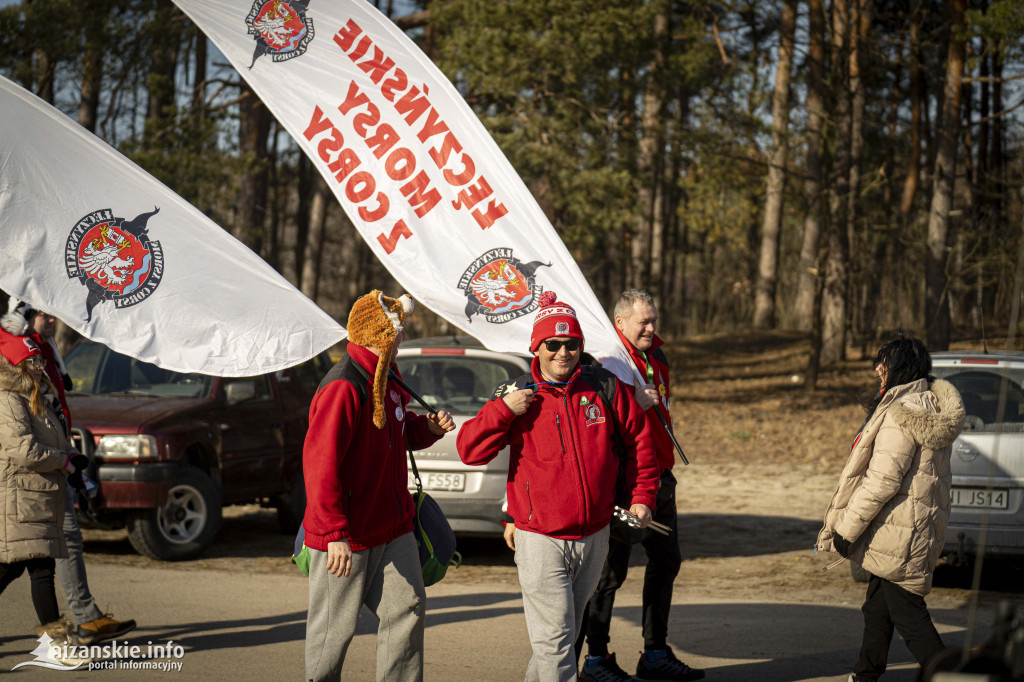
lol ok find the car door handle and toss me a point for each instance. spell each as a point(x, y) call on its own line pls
point(966, 451)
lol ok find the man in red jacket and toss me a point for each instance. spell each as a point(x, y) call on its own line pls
point(359, 512)
point(636, 320)
point(561, 481)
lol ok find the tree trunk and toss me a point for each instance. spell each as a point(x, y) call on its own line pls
point(917, 103)
point(92, 70)
point(859, 32)
point(313, 257)
point(251, 202)
point(164, 32)
point(771, 228)
point(809, 266)
point(834, 296)
point(936, 303)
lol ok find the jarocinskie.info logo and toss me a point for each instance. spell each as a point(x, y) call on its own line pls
point(110, 656)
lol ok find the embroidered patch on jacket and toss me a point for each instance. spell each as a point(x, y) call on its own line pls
point(593, 413)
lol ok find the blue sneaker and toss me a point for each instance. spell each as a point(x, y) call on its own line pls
point(604, 670)
point(664, 666)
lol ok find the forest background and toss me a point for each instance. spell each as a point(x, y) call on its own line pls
point(832, 168)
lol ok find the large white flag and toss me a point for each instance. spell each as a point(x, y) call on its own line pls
point(411, 164)
point(90, 237)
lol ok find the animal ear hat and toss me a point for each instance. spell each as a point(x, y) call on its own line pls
point(375, 321)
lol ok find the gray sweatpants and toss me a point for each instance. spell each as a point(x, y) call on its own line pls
point(557, 578)
point(388, 579)
point(71, 571)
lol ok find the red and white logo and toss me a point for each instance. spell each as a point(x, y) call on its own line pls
point(500, 286)
point(281, 28)
point(114, 258)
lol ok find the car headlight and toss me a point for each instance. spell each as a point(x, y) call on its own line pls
point(127, 447)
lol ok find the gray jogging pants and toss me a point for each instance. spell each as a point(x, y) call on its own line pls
point(558, 578)
point(388, 580)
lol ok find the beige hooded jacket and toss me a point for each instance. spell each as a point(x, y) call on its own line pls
point(892, 502)
point(33, 452)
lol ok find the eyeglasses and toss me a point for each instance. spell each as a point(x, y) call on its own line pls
point(554, 345)
point(35, 361)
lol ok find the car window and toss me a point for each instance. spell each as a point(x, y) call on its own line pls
point(310, 373)
point(460, 384)
point(97, 370)
point(993, 398)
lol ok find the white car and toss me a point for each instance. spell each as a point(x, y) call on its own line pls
point(460, 375)
point(987, 498)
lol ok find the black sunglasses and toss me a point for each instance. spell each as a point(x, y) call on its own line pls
point(554, 345)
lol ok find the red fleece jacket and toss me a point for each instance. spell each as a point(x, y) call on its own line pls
point(356, 474)
point(663, 447)
point(562, 469)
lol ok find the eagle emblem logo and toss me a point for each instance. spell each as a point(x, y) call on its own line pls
point(281, 29)
point(114, 258)
point(500, 287)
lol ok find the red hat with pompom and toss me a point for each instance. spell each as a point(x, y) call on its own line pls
point(554, 319)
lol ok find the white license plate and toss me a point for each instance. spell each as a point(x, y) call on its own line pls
point(981, 498)
point(439, 481)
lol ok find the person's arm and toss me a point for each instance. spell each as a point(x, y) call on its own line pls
point(642, 472)
point(891, 458)
point(19, 443)
point(481, 438)
point(333, 419)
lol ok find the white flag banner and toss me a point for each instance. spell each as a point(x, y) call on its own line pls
point(95, 240)
point(413, 167)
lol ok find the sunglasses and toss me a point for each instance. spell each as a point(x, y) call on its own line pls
point(554, 345)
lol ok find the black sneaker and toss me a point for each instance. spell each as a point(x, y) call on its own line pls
point(604, 670)
point(667, 668)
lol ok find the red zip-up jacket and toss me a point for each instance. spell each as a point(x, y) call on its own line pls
point(356, 474)
point(562, 468)
point(663, 447)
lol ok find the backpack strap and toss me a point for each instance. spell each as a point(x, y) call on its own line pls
point(351, 371)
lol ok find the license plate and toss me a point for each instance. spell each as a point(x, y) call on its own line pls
point(981, 498)
point(439, 481)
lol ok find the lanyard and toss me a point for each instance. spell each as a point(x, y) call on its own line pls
point(650, 368)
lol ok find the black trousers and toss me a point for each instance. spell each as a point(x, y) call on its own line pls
point(663, 560)
point(40, 573)
point(886, 607)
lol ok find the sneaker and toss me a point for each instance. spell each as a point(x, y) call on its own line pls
point(663, 665)
point(103, 628)
point(604, 670)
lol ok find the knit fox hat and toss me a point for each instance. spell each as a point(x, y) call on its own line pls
point(374, 322)
point(554, 319)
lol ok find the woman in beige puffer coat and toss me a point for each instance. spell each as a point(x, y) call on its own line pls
point(890, 510)
point(36, 456)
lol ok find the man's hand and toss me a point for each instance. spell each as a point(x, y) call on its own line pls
point(440, 422)
point(510, 535)
point(519, 401)
point(643, 513)
point(646, 396)
point(339, 558)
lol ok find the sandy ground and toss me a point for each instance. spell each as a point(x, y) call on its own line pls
point(751, 600)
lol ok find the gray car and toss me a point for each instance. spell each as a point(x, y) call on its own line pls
point(987, 498)
point(459, 374)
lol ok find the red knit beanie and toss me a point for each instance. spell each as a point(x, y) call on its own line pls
point(554, 319)
point(16, 348)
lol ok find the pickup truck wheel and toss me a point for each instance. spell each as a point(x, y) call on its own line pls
point(185, 525)
point(291, 507)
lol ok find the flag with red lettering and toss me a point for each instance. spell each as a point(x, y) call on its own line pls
point(413, 167)
point(93, 239)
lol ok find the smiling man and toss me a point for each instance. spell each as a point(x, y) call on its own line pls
point(636, 319)
point(561, 482)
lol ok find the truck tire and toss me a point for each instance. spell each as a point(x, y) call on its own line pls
point(858, 573)
point(185, 525)
point(291, 506)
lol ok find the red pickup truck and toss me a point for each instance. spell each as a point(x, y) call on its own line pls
point(169, 449)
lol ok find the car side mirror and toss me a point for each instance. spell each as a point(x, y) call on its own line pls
point(239, 391)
